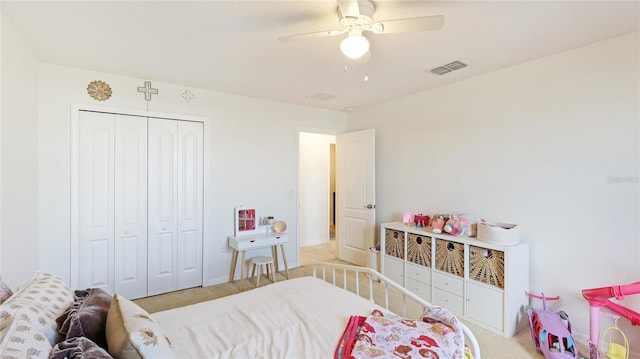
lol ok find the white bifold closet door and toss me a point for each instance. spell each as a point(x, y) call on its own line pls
point(140, 204)
point(113, 203)
point(175, 205)
point(130, 206)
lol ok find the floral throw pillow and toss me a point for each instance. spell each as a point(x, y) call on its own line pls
point(132, 333)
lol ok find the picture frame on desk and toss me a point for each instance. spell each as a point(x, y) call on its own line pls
point(246, 221)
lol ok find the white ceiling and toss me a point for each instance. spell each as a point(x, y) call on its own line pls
point(232, 46)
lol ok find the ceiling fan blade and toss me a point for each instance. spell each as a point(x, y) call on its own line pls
point(311, 35)
point(349, 8)
point(424, 23)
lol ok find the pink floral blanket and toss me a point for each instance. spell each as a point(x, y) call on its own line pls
point(436, 334)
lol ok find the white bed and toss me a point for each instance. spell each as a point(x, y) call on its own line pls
point(297, 318)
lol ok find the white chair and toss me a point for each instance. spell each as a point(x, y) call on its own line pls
point(259, 262)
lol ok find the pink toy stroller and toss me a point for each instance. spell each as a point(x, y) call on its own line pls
point(551, 331)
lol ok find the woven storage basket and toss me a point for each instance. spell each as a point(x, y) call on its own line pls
point(394, 243)
point(450, 257)
point(486, 266)
point(419, 249)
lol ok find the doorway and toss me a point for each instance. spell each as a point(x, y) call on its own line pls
point(316, 211)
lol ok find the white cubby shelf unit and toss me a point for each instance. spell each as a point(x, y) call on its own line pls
point(483, 283)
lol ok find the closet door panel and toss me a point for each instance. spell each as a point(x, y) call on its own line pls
point(162, 206)
point(164, 250)
point(131, 206)
point(190, 203)
point(96, 205)
point(97, 272)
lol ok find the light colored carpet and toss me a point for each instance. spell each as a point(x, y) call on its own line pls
point(492, 346)
point(319, 253)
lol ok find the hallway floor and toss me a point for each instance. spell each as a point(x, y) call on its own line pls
point(321, 252)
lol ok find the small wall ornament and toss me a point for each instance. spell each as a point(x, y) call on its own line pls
point(147, 90)
point(188, 95)
point(99, 90)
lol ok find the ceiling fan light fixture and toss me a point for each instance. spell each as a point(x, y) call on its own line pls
point(354, 46)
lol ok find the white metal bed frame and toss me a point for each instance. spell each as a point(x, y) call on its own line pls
point(321, 269)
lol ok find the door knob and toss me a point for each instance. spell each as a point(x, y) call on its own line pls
point(371, 206)
point(164, 228)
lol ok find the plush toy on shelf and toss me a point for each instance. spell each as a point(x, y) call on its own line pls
point(461, 225)
point(421, 220)
point(437, 223)
point(407, 219)
point(456, 226)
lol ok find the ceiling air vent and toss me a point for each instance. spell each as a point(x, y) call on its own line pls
point(441, 70)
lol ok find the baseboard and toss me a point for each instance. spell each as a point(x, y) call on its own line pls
point(217, 280)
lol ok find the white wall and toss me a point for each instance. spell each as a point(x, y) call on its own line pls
point(246, 137)
point(251, 156)
point(315, 181)
point(552, 145)
point(19, 149)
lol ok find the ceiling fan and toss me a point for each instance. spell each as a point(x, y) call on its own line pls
point(356, 17)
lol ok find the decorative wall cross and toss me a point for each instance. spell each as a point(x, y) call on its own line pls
point(148, 90)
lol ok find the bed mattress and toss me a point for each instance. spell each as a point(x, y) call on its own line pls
point(297, 318)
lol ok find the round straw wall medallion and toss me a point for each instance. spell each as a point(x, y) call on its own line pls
point(99, 90)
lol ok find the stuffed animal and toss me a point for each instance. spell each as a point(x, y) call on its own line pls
point(421, 220)
point(437, 223)
point(460, 225)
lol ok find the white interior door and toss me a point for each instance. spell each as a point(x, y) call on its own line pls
point(95, 212)
point(355, 189)
point(131, 206)
point(162, 206)
point(190, 203)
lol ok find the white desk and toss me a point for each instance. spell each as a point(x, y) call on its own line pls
point(255, 241)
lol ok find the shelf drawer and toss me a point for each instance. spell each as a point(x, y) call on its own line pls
point(419, 249)
point(486, 266)
point(448, 283)
point(394, 243)
point(394, 269)
point(423, 290)
point(247, 244)
point(448, 300)
point(419, 273)
point(485, 304)
point(275, 240)
point(450, 257)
